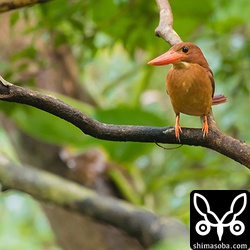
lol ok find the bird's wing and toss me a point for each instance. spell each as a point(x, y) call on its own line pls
point(211, 77)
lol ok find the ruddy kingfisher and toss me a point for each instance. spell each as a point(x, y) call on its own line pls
point(190, 83)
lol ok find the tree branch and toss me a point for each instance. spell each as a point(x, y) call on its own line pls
point(137, 222)
point(215, 140)
point(8, 5)
point(165, 27)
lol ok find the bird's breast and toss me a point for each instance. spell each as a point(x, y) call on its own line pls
point(190, 89)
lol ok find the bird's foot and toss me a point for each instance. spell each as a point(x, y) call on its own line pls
point(205, 127)
point(177, 129)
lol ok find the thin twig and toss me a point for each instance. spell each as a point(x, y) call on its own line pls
point(165, 28)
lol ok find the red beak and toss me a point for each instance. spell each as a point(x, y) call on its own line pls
point(166, 58)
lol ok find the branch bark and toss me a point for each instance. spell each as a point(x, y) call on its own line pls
point(216, 140)
point(137, 222)
point(165, 28)
point(8, 5)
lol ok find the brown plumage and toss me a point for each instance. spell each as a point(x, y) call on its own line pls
point(189, 83)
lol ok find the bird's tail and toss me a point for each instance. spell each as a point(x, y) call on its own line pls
point(218, 99)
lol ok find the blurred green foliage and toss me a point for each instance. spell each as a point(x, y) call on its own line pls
point(23, 225)
point(111, 41)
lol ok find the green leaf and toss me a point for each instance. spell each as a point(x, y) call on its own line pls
point(29, 52)
point(14, 18)
point(125, 186)
point(45, 126)
point(129, 151)
point(128, 116)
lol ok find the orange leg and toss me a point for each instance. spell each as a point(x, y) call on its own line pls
point(177, 127)
point(205, 126)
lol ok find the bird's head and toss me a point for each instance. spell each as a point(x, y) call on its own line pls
point(181, 53)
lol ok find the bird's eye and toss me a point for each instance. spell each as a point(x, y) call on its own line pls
point(185, 49)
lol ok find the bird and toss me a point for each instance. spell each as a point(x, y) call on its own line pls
point(189, 83)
